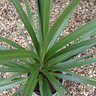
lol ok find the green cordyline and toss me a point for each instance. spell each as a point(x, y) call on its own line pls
point(49, 56)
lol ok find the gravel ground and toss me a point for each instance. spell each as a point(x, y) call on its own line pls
point(85, 12)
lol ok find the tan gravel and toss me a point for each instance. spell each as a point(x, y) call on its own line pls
point(85, 12)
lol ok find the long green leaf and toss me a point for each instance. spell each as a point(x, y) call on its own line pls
point(78, 75)
point(32, 61)
point(80, 63)
point(18, 91)
point(40, 26)
point(15, 54)
point(37, 27)
point(14, 83)
point(13, 64)
point(72, 60)
point(61, 22)
point(39, 30)
point(31, 83)
point(24, 35)
point(28, 64)
point(86, 36)
point(75, 79)
point(26, 23)
point(44, 86)
point(44, 14)
point(54, 82)
point(66, 56)
point(41, 85)
point(74, 46)
point(29, 14)
point(72, 65)
point(89, 27)
point(14, 76)
point(18, 63)
point(11, 43)
point(59, 25)
point(44, 10)
point(12, 69)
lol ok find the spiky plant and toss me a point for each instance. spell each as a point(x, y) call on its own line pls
point(48, 55)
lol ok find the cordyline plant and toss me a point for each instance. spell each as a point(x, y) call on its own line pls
point(49, 58)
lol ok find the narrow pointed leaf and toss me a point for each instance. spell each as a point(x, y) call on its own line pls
point(31, 83)
point(14, 83)
point(29, 14)
point(80, 63)
point(37, 27)
point(75, 79)
point(40, 26)
point(24, 35)
point(18, 63)
point(60, 23)
point(54, 82)
point(89, 27)
point(78, 75)
point(13, 64)
point(72, 60)
point(72, 65)
point(73, 46)
point(11, 43)
point(18, 91)
point(14, 76)
point(15, 54)
point(44, 10)
point(12, 69)
point(66, 56)
point(28, 64)
point(86, 36)
point(44, 86)
point(26, 23)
